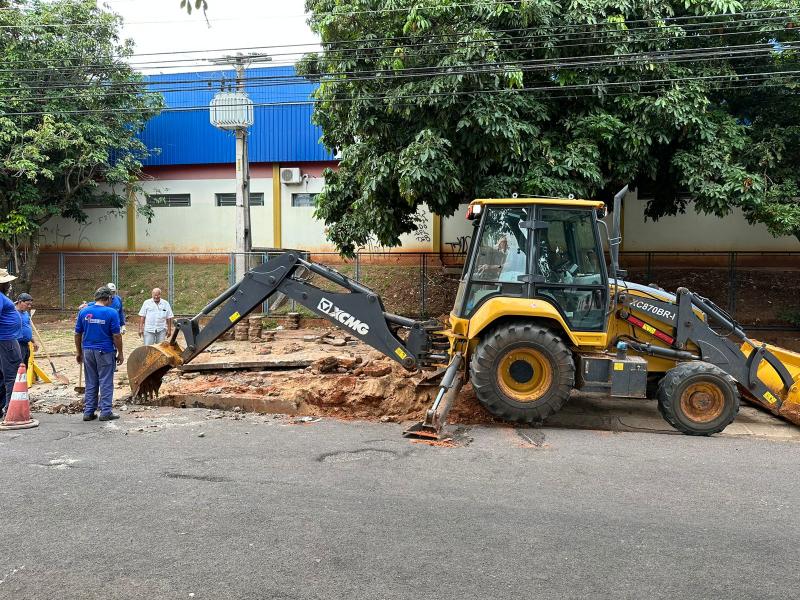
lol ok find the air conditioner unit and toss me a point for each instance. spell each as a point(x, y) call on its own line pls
point(291, 176)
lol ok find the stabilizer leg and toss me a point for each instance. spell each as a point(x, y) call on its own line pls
point(436, 417)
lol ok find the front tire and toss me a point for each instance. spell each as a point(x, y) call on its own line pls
point(522, 372)
point(698, 398)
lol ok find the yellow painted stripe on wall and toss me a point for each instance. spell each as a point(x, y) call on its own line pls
point(130, 218)
point(436, 243)
point(276, 205)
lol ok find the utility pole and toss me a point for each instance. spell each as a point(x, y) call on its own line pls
point(234, 111)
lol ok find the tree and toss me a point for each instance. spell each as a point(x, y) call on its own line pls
point(70, 109)
point(437, 102)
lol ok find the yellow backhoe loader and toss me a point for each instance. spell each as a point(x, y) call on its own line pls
point(538, 313)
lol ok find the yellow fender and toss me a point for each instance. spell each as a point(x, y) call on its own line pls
point(499, 307)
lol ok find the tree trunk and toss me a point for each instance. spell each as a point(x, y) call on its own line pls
point(26, 265)
point(5, 256)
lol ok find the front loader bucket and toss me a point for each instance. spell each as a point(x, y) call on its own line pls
point(147, 366)
point(784, 403)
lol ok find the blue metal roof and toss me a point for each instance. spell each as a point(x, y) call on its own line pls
point(280, 133)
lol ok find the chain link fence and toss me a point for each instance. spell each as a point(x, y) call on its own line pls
point(760, 289)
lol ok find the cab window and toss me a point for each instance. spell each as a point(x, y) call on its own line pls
point(570, 269)
point(500, 256)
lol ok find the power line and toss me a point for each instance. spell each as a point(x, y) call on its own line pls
point(661, 57)
point(334, 13)
point(395, 97)
point(666, 19)
point(706, 27)
point(427, 9)
point(83, 68)
point(494, 68)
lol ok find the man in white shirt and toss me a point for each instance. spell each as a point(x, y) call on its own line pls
point(155, 324)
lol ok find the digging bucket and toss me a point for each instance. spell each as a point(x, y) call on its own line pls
point(147, 366)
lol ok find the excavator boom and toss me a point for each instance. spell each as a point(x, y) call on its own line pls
point(358, 310)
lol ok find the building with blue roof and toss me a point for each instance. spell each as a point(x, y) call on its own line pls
point(190, 177)
point(282, 133)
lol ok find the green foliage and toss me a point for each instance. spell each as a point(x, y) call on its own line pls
point(436, 102)
point(69, 114)
point(198, 4)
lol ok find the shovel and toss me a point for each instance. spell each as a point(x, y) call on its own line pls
point(61, 378)
point(80, 388)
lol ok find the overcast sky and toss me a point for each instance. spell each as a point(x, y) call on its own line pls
point(162, 26)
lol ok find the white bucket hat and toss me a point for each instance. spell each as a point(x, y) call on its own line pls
point(5, 277)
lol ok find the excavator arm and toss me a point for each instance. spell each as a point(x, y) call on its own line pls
point(359, 311)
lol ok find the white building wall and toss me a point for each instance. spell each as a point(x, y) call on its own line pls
point(302, 231)
point(104, 230)
point(693, 232)
point(205, 227)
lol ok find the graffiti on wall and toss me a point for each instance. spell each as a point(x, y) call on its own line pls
point(460, 245)
point(420, 220)
point(73, 235)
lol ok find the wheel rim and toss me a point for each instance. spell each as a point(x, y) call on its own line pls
point(702, 402)
point(524, 374)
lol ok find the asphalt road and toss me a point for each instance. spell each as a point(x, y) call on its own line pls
point(267, 509)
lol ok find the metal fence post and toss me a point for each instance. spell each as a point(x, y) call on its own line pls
point(649, 267)
point(115, 268)
point(265, 304)
point(231, 269)
point(732, 283)
point(171, 279)
point(62, 285)
point(422, 278)
point(358, 268)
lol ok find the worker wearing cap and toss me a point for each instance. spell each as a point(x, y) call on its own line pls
point(10, 356)
point(98, 345)
point(116, 304)
point(24, 303)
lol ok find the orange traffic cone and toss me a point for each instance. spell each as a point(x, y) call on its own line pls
point(18, 415)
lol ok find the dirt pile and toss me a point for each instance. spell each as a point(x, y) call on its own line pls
point(341, 386)
point(339, 376)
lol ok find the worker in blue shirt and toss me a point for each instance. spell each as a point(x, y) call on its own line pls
point(116, 304)
point(98, 345)
point(24, 303)
point(10, 356)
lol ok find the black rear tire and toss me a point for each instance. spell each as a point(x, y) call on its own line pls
point(522, 372)
point(698, 398)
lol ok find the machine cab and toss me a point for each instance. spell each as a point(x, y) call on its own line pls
point(549, 249)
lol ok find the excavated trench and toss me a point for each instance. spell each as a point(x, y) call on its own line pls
point(306, 373)
point(377, 391)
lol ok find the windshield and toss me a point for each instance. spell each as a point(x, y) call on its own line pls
point(500, 256)
point(567, 248)
point(502, 249)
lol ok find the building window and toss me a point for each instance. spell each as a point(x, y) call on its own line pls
point(230, 199)
point(304, 200)
point(169, 199)
point(99, 202)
